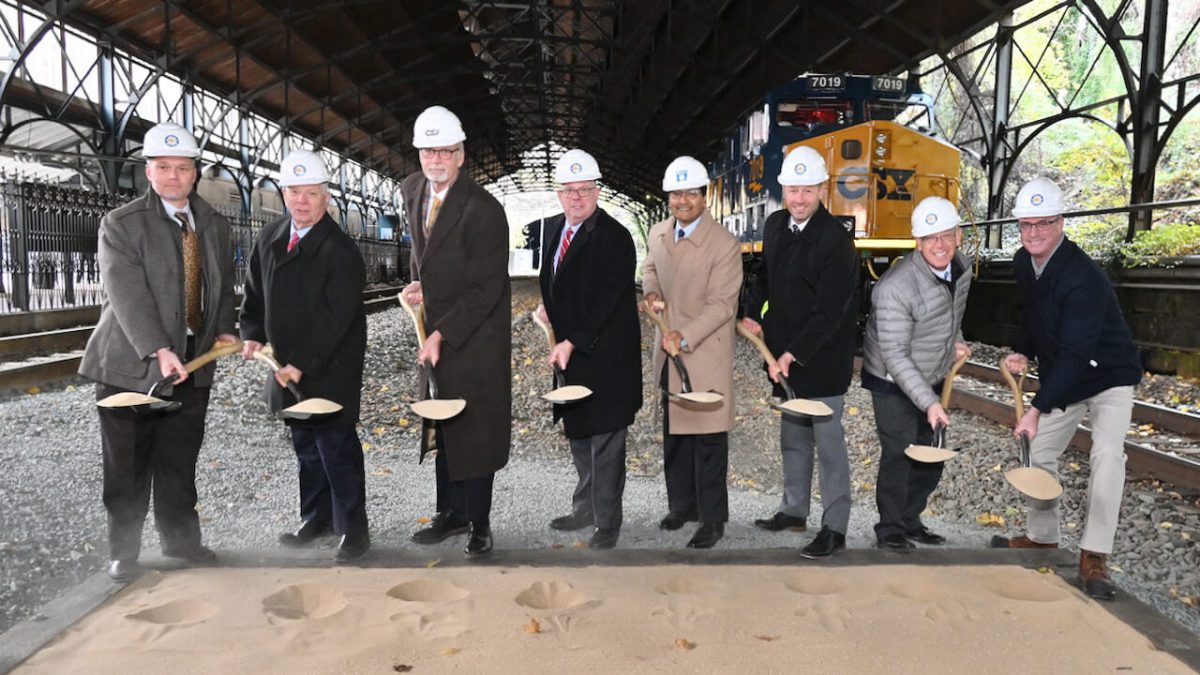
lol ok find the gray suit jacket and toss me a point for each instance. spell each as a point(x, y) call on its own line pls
point(141, 266)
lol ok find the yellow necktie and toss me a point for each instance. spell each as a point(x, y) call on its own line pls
point(193, 266)
point(434, 206)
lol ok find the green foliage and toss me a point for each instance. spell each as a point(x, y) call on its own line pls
point(1164, 241)
point(1100, 240)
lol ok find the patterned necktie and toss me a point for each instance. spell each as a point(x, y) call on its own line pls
point(193, 266)
point(293, 242)
point(678, 234)
point(562, 248)
point(434, 206)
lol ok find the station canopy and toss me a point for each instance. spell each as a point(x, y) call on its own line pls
point(634, 82)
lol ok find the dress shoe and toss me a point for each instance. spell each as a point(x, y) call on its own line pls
point(1093, 572)
point(308, 532)
point(826, 543)
point(782, 521)
point(1017, 542)
point(196, 554)
point(924, 535)
point(123, 571)
point(894, 541)
point(571, 523)
point(604, 538)
point(707, 535)
point(479, 540)
point(444, 525)
point(352, 547)
point(675, 520)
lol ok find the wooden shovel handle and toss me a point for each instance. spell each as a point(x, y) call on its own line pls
point(218, 350)
point(1018, 394)
point(267, 356)
point(759, 344)
point(661, 322)
point(546, 328)
point(418, 319)
point(948, 385)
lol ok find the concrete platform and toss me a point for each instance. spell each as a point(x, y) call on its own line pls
point(735, 575)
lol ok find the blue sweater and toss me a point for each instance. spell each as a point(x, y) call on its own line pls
point(1072, 324)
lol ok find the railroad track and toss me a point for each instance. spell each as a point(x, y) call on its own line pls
point(56, 353)
point(1163, 443)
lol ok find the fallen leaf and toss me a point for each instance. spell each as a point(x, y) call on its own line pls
point(33, 390)
point(1072, 526)
point(1044, 570)
point(852, 410)
point(402, 668)
point(556, 546)
point(381, 472)
point(432, 563)
point(403, 421)
point(683, 645)
point(579, 543)
point(396, 407)
point(1190, 600)
point(452, 651)
point(766, 638)
point(1186, 536)
point(1074, 466)
point(528, 361)
point(423, 520)
point(366, 446)
point(990, 519)
point(1166, 526)
point(533, 627)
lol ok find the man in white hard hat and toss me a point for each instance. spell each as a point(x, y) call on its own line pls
point(589, 298)
point(913, 336)
point(166, 261)
point(694, 266)
point(1072, 325)
point(460, 276)
point(809, 275)
point(303, 295)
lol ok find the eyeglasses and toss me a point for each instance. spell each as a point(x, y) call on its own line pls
point(943, 238)
point(690, 192)
point(1039, 225)
point(578, 192)
point(441, 153)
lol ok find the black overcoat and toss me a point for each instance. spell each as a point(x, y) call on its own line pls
point(810, 280)
point(308, 305)
point(592, 301)
point(463, 270)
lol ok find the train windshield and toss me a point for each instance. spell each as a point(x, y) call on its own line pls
point(809, 115)
point(916, 115)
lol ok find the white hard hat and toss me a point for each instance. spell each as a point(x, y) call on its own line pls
point(169, 140)
point(933, 215)
point(302, 167)
point(803, 166)
point(576, 165)
point(437, 127)
point(1037, 199)
point(684, 173)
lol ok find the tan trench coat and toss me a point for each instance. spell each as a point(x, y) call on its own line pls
point(699, 278)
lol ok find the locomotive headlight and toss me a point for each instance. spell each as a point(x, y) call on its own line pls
point(880, 151)
point(883, 145)
point(881, 137)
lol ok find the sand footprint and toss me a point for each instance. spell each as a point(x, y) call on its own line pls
point(428, 590)
point(685, 585)
point(681, 613)
point(431, 625)
point(832, 616)
point(558, 600)
point(303, 602)
point(815, 583)
point(176, 613)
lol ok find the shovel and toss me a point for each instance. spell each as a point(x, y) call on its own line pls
point(563, 392)
point(686, 393)
point(792, 406)
point(132, 399)
point(432, 408)
point(1028, 480)
point(304, 408)
point(932, 454)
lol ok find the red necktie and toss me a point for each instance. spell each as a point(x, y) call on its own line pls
point(293, 241)
point(562, 249)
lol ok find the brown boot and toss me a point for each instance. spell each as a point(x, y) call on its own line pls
point(1093, 572)
point(1017, 542)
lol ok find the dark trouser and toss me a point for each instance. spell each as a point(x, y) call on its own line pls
point(696, 468)
point(332, 488)
point(469, 499)
point(155, 453)
point(903, 487)
point(600, 462)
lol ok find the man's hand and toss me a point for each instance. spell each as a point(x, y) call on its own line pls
point(671, 342)
point(541, 314)
point(936, 415)
point(752, 326)
point(561, 354)
point(962, 350)
point(1028, 424)
point(432, 351)
point(785, 366)
point(1016, 363)
point(649, 299)
point(249, 347)
point(412, 294)
point(168, 363)
point(288, 373)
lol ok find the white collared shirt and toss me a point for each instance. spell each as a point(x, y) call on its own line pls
point(796, 227)
point(172, 210)
point(687, 230)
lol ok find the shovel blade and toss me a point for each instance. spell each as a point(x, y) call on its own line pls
point(439, 409)
point(929, 454)
point(309, 408)
point(568, 394)
point(1034, 482)
point(127, 399)
point(701, 398)
point(803, 407)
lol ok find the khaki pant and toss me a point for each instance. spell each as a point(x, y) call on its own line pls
point(1109, 413)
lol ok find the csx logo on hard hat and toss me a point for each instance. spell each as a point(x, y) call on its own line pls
point(431, 132)
point(576, 167)
point(1037, 200)
point(681, 176)
point(931, 219)
point(171, 140)
point(800, 168)
point(299, 170)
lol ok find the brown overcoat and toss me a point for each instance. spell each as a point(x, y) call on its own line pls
point(699, 277)
point(463, 270)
